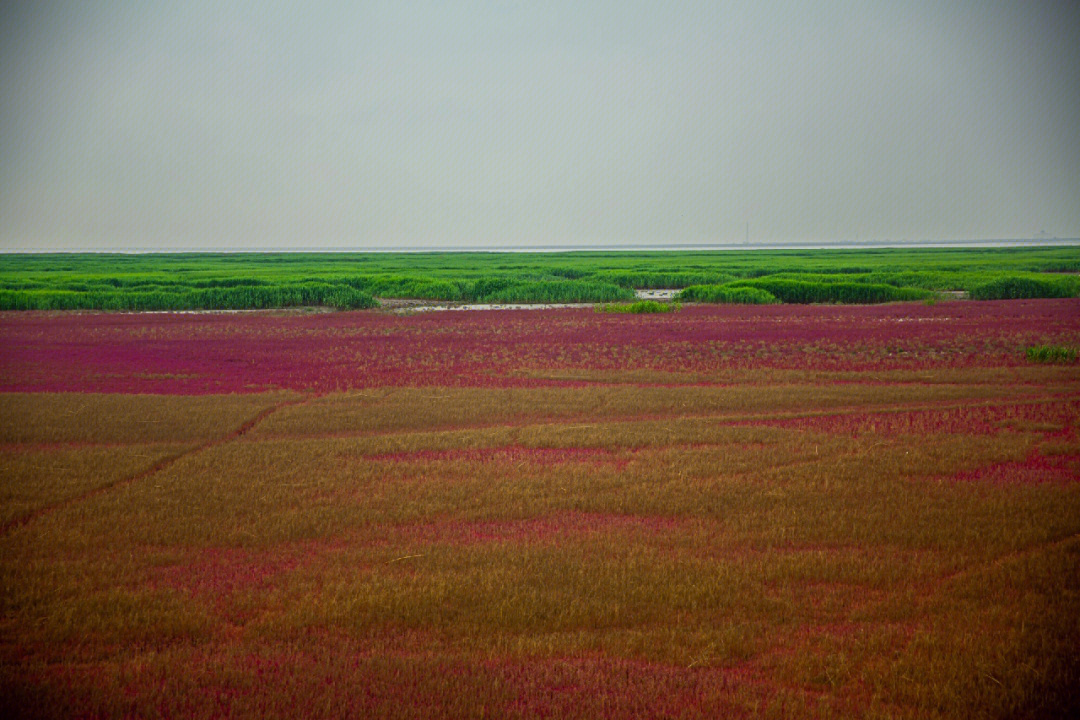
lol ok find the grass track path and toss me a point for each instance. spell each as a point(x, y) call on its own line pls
point(1002, 560)
point(723, 417)
point(156, 467)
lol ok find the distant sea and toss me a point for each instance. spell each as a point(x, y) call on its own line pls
point(700, 247)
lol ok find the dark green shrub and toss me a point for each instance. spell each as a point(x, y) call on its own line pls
point(224, 298)
point(488, 286)
point(797, 291)
point(420, 288)
point(346, 298)
point(1017, 288)
point(1058, 354)
point(569, 273)
point(727, 294)
point(642, 307)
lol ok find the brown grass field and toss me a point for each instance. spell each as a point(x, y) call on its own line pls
point(892, 535)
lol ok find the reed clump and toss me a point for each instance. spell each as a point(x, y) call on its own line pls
point(1024, 288)
point(1052, 354)
point(642, 307)
point(801, 291)
point(726, 294)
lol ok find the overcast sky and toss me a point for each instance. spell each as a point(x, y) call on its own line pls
point(239, 125)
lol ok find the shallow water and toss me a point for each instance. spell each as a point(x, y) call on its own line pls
point(492, 306)
point(658, 294)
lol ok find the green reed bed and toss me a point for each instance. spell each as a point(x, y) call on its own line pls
point(354, 280)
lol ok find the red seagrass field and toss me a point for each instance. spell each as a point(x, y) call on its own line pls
point(731, 511)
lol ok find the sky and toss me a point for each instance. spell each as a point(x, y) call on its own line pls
point(354, 125)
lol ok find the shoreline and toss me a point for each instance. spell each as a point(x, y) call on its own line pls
point(1026, 243)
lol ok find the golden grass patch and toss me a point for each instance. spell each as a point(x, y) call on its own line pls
point(784, 549)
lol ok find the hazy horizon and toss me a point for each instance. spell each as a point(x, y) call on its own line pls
point(763, 245)
point(264, 126)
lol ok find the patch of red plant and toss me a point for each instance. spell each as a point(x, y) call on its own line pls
point(217, 573)
point(1036, 469)
point(163, 353)
point(278, 681)
point(973, 419)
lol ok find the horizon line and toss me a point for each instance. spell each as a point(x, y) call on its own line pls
point(493, 249)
